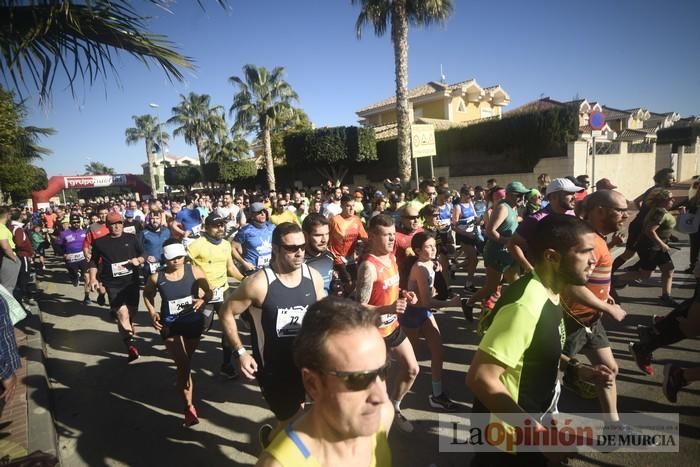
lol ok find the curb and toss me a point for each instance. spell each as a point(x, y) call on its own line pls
point(41, 429)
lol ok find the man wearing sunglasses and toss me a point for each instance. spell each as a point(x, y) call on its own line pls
point(252, 246)
point(407, 228)
point(344, 364)
point(277, 298)
point(118, 256)
point(212, 254)
point(378, 289)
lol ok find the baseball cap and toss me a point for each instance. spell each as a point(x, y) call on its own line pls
point(604, 184)
point(257, 207)
point(516, 187)
point(562, 184)
point(214, 218)
point(113, 217)
point(378, 194)
point(75, 217)
point(174, 250)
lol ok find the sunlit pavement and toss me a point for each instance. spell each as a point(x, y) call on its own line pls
point(109, 412)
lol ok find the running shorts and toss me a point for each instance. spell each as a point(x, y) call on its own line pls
point(126, 295)
point(395, 339)
point(282, 389)
point(414, 317)
point(579, 339)
point(79, 267)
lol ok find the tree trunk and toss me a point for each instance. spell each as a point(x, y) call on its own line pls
point(399, 37)
point(269, 163)
point(151, 169)
point(202, 160)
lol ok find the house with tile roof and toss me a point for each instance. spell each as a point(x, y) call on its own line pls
point(441, 104)
point(163, 161)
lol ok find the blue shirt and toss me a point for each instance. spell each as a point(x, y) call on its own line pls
point(256, 243)
point(189, 218)
point(152, 242)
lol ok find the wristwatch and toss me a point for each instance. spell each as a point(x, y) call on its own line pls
point(239, 352)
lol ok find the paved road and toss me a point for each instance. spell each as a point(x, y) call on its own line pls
point(112, 413)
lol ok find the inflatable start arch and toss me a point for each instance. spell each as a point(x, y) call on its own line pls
point(41, 198)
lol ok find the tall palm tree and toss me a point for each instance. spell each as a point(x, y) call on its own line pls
point(98, 168)
point(379, 13)
point(148, 129)
point(262, 96)
point(195, 117)
point(79, 39)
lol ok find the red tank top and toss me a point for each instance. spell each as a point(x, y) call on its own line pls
point(385, 291)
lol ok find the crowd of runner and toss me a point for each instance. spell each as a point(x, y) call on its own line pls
point(387, 259)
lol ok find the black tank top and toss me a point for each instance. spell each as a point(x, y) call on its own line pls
point(176, 296)
point(278, 320)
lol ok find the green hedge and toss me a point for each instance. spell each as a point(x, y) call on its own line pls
point(510, 145)
point(330, 146)
point(230, 171)
point(182, 175)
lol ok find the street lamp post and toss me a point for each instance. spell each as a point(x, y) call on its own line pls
point(160, 141)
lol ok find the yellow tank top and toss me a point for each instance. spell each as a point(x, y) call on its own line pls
point(289, 450)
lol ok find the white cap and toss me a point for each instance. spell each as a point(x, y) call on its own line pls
point(174, 250)
point(562, 184)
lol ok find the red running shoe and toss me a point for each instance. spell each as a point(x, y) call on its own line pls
point(191, 416)
point(133, 353)
point(642, 359)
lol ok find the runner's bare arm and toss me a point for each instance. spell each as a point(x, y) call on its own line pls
point(149, 293)
point(484, 380)
point(516, 247)
point(205, 291)
point(497, 217)
point(582, 295)
point(232, 270)
point(366, 275)
point(250, 292)
point(318, 284)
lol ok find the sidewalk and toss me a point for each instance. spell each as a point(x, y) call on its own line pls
point(26, 425)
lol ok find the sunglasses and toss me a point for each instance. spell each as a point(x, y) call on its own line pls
point(360, 380)
point(293, 248)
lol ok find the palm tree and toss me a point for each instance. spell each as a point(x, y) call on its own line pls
point(98, 168)
point(262, 97)
point(195, 117)
point(400, 13)
point(79, 38)
point(147, 128)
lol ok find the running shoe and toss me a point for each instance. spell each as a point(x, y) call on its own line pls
point(668, 301)
point(644, 333)
point(673, 381)
point(689, 270)
point(30, 301)
point(403, 423)
point(76, 281)
point(443, 402)
point(228, 372)
point(133, 353)
point(101, 299)
point(642, 359)
point(264, 434)
point(468, 310)
point(656, 319)
point(191, 416)
point(87, 301)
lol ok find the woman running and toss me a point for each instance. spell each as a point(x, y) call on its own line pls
point(183, 290)
point(418, 318)
point(464, 219)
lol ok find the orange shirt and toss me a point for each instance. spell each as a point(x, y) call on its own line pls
point(598, 283)
point(385, 291)
point(344, 234)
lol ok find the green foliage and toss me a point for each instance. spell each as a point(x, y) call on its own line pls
point(330, 146)
point(230, 171)
point(510, 145)
point(21, 179)
point(182, 175)
point(98, 168)
point(298, 121)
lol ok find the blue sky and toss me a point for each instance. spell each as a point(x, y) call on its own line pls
point(622, 53)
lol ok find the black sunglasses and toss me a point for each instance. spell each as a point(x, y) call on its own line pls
point(360, 380)
point(293, 248)
point(413, 218)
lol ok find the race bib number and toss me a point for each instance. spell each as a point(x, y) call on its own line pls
point(289, 320)
point(387, 319)
point(263, 261)
point(75, 257)
point(121, 269)
point(218, 295)
point(175, 307)
point(153, 267)
point(130, 229)
point(444, 222)
point(196, 230)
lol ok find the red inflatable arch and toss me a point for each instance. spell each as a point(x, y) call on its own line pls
point(59, 182)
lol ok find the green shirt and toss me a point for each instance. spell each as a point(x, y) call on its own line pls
point(527, 335)
point(666, 222)
point(6, 234)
